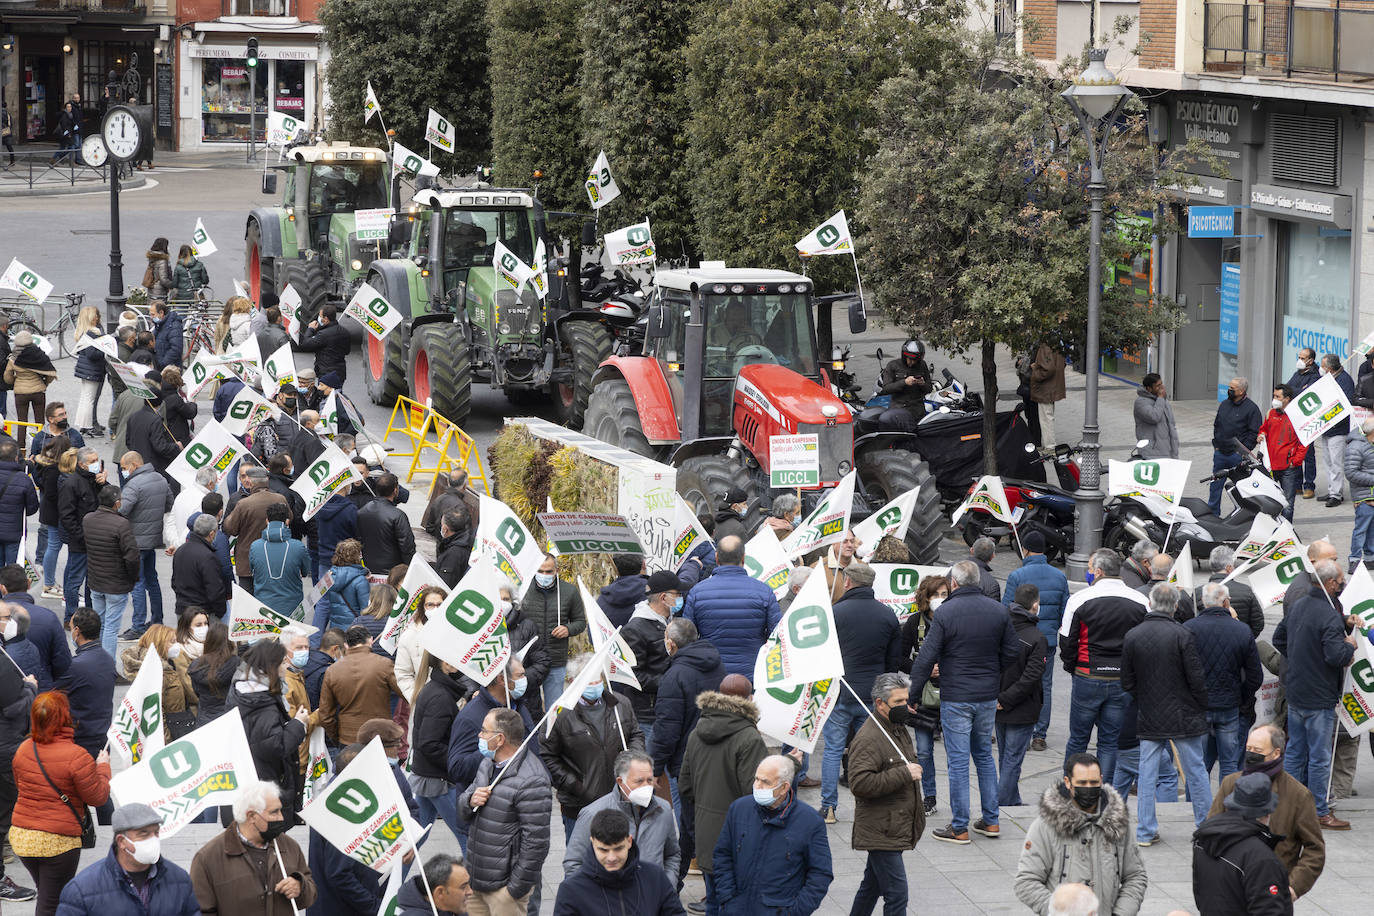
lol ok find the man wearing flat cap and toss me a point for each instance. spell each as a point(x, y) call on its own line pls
point(134, 879)
point(1235, 869)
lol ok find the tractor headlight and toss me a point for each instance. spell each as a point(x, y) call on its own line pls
point(291, 213)
point(829, 410)
point(355, 264)
point(843, 468)
point(503, 328)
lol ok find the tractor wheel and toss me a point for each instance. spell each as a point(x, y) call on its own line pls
point(589, 344)
point(440, 372)
point(703, 482)
point(312, 285)
point(613, 417)
point(887, 475)
point(261, 271)
point(386, 359)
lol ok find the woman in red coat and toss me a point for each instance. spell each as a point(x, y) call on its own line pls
point(46, 833)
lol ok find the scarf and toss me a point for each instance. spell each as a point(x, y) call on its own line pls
point(32, 357)
point(1270, 768)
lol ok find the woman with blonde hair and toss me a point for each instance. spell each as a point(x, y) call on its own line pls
point(178, 696)
point(90, 369)
point(233, 326)
point(377, 614)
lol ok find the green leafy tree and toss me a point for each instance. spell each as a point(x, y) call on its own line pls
point(419, 54)
point(977, 212)
point(536, 56)
point(634, 55)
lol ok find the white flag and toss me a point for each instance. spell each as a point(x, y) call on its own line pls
point(319, 766)
point(282, 128)
point(1282, 543)
point(370, 104)
point(247, 410)
point(200, 241)
point(278, 369)
point(289, 302)
point(1182, 573)
point(391, 898)
point(1271, 580)
point(245, 360)
point(371, 310)
point(19, 277)
point(594, 669)
point(511, 272)
point(324, 477)
point(804, 646)
point(827, 523)
point(468, 630)
point(989, 495)
point(440, 132)
point(765, 560)
point(1161, 478)
point(688, 534)
point(136, 730)
point(419, 574)
point(620, 659)
point(892, 519)
point(213, 447)
point(362, 812)
point(631, 245)
point(539, 270)
point(504, 541)
point(1355, 708)
point(830, 237)
point(204, 369)
point(404, 160)
point(329, 414)
point(105, 343)
point(203, 770)
point(1317, 408)
point(251, 620)
point(601, 187)
point(133, 378)
point(895, 584)
point(795, 715)
point(1358, 596)
point(1260, 530)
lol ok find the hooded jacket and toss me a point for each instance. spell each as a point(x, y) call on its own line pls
point(1069, 845)
point(653, 827)
point(639, 888)
point(620, 597)
point(581, 749)
point(771, 861)
point(274, 738)
point(144, 499)
point(336, 520)
point(280, 565)
point(75, 500)
point(729, 522)
point(692, 671)
point(1154, 420)
point(736, 612)
point(644, 634)
point(722, 754)
point(1301, 847)
point(167, 334)
point(345, 600)
point(1235, 869)
point(508, 839)
point(452, 555)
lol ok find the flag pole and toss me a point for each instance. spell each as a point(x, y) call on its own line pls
point(285, 874)
point(869, 712)
point(863, 307)
point(429, 891)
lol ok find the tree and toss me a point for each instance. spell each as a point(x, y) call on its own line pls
point(536, 55)
point(782, 95)
point(634, 55)
point(419, 54)
point(977, 212)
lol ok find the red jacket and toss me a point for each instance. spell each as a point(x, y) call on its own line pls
point(1285, 451)
point(73, 770)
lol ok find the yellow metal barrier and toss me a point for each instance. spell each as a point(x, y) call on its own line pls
point(428, 431)
point(10, 427)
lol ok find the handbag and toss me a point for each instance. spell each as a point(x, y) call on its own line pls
point(180, 724)
point(83, 818)
point(930, 695)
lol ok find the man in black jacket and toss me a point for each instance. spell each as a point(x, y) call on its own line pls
point(694, 667)
point(1018, 703)
point(730, 515)
point(907, 380)
point(1237, 418)
point(146, 433)
point(1222, 561)
point(1231, 666)
point(445, 888)
point(89, 683)
point(76, 500)
point(114, 565)
point(329, 341)
point(1161, 564)
point(454, 550)
point(1235, 869)
point(1161, 670)
point(306, 445)
point(196, 579)
point(644, 634)
point(614, 881)
point(384, 529)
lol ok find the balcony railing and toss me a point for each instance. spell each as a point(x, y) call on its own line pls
point(125, 7)
point(1004, 21)
point(1307, 39)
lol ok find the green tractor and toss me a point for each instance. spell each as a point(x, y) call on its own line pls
point(309, 240)
point(459, 326)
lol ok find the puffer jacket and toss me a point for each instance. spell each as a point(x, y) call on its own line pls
point(1359, 467)
point(114, 562)
point(145, 498)
point(464, 757)
point(1054, 591)
point(280, 565)
point(1243, 602)
point(619, 598)
point(558, 605)
point(73, 770)
point(888, 812)
point(24, 654)
point(654, 830)
point(169, 338)
point(337, 520)
point(1154, 420)
point(90, 362)
point(345, 600)
point(273, 737)
point(240, 329)
point(104, 888)
point(773, 861)
point(1235, 869)
point(580, 752)
point(508, 839)
point(177, 693)
point(178, 413)
point(1161, 669)
point(75, 500)
point(187, 277)
point(636, 887)
point(18, 498)
point(1068, 845)
point(1230, 662)
point(723, 752)
point(161, 266)
point(692, 671)
point(736, 612)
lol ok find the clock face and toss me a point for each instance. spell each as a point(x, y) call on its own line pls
point(93, 151)
point(122, 134)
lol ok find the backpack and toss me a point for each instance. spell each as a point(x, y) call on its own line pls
point(148, 278)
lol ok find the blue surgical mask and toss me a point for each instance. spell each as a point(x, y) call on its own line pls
point(543, 580)
point(300, 658)
point(593, 692)
point(764, 797)
point(1089, 577)
point(677, 605)
point(483, 749)
point(517, 689)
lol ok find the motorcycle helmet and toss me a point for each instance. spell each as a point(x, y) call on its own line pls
point(913, 351)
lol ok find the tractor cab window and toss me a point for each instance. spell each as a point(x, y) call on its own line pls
point(338, 187)
point(470, 237)
point(744, 329)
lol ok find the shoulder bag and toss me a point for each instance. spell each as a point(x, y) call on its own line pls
point(83, 817)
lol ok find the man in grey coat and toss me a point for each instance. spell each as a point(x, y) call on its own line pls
point(651, 818)
point(1154, 419)
point(145, 499)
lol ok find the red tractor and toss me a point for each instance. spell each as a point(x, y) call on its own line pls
point(732, 357)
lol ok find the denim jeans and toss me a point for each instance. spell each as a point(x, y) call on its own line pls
point(110, 608)
point(925, 756)
point(147, 593)
point(1096, 703)
point(1220, 463)
point(1362, 538)
point(1224, 743)
point(712, 905)
point(1012, 743)
point(73, 577)
point(9, 550)
point(1050, 629)
point(1289, 480)
point(1307, 757)
point(968, 731)
point(1309, 468)
point(553, 685)
point(1128, 767)
point(648, 729)
point(884, 876)
point(836, 732)
point(49, 549)
point(1199, 788)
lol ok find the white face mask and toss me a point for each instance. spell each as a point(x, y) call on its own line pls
point(93, 467)
point(1277, 404)
point(146, 852)
point(641, 796)
point(1302, 364)
point(1323, 371)
point(505, 607)
point(173, 651)
point(198, 633)
point(936, 602)
point(11, 629)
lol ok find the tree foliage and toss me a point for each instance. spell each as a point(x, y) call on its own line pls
point(634, 55)
point(536, 56)
point(419, 54)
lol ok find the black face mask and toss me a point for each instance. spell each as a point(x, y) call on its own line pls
point(1234, 395)
point(1253, 759)
point(1087, 797)
point(275, 829)
point(289, 403)
point(898, 715)
point(61, 425)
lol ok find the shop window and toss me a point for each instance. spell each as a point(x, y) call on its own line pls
point(101, 58)
point(289, 82)
point(231, 95)
point(1314, 293)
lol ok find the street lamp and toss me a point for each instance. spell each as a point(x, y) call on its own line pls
point(1097, 97)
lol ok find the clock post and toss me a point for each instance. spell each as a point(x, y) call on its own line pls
point(123, 138)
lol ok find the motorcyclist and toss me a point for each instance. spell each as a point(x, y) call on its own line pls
point(907, 379)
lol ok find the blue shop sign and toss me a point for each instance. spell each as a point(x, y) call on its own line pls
point(1229, 341)
point(1211, 222)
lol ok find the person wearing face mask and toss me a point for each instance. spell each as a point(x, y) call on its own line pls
point(433, 710)
point(1235, 869)
point(296, 696)
point(76, 498)
point(925, 717)
point(1301, 846)
point(524, 634)
point(644, 634)
point(1237, 418)
point(1018, 703)
point(146, 498)
point(280, 564)
point(694, 667)
point(1306, 374)
point(274, 734)
point(555, 606)
point(507, 691)
point(114, 566)
point(1333, 440)
point(192, 628)
point(178, 696)
point(1082, 836)
point(135, 879)
point(1053, 587)
point(239, 872)
point(888, 816)
point(773, 852)
point(306, 444)
point(1286, 451)
point(651, 818)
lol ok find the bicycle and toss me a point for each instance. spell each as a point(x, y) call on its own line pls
point(198, 316)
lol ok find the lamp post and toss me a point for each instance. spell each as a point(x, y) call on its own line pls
point(1097, 97)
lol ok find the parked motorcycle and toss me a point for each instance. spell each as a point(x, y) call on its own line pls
point(620, 299)
point(1035, 506)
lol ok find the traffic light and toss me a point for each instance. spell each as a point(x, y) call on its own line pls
point(252, 52)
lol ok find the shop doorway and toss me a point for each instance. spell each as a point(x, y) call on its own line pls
point(42, 89)
point(1196, 345)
